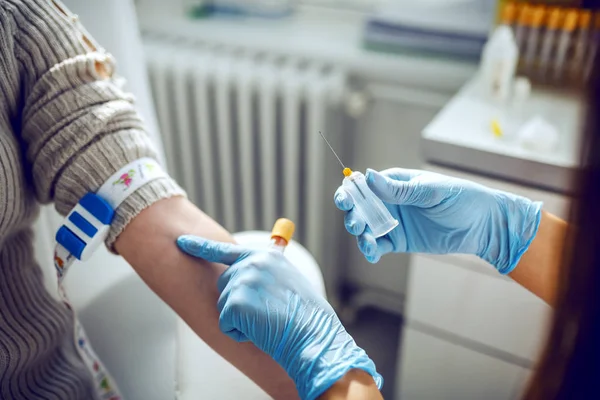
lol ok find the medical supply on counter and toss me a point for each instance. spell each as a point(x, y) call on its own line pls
point(513, 113)
point(498, 64)
point(281, 234)
point(496, 128)
point(517, 110)
point(582, 38)
point(531, 48)
point(196, 8)
point(257, 8)
point(370, 207)
point(525, 14)
point(549, 42)
point(509, 15)
point(592, 51)
point(538, 135)
point(564, 42)
point(554, 39)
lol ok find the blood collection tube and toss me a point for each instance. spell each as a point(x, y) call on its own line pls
point(508, 16)
point(525, 14)
point(281, 234)
point(582, 37)
point(549, 41)
point(564, 43)
point(535, 25)
point(593, 45)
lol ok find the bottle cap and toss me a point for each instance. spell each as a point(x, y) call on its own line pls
point(555, 18)
point(537, 16)
point(283, 228)
point(571, 20)
point(525, 14)
point(509, 12)
point(585, 19)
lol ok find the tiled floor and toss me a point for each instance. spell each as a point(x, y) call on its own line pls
point(378, 333)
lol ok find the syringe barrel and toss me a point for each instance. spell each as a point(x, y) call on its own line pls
point(368, 205)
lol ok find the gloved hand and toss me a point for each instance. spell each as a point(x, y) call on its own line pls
point(266, 300)
point(439, 214)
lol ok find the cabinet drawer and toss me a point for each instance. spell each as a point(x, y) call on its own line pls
point(488, 309)
point(433, 369)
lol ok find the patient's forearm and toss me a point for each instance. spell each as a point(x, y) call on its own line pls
point(189, 285)
point(539, 268)
point(355, 385)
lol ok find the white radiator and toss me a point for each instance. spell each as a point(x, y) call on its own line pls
point(240, 132)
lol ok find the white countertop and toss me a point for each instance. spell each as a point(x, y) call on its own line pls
point(466, 121)
point(461, 136)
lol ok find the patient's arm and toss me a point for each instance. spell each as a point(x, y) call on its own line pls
point(189, 285)
point(355, 385)
point(539, 268)
point(78, 128)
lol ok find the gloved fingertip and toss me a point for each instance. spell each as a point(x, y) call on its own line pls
point(374, 177)
point(385, 188)
point(369, 249)
point(189, 243)
point(342, 200)
point(373, 259)
point(183, 239)
point(367, 244)
point(369, 173)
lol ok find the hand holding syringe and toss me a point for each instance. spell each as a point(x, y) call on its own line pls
point(367, 204)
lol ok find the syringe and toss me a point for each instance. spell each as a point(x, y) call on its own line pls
point(366, 203)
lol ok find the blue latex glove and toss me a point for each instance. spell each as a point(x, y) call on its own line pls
point(266, 300)
point(439, 214)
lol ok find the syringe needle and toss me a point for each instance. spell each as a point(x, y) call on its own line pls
point(332, 150)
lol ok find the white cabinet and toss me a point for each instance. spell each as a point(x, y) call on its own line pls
point(434, 369)
point(493, 311)
point(470, 332)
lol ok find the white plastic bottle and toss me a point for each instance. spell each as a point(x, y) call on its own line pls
point(499, 63)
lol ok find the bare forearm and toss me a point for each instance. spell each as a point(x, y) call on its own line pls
point(189, 285)
point(355, 385)
point(538, 270)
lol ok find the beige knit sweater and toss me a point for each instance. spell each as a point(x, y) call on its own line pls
point(64, 129)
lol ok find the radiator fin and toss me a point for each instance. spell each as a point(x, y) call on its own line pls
point(240, 132)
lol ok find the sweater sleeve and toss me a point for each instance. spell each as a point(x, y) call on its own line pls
point(78, 126)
